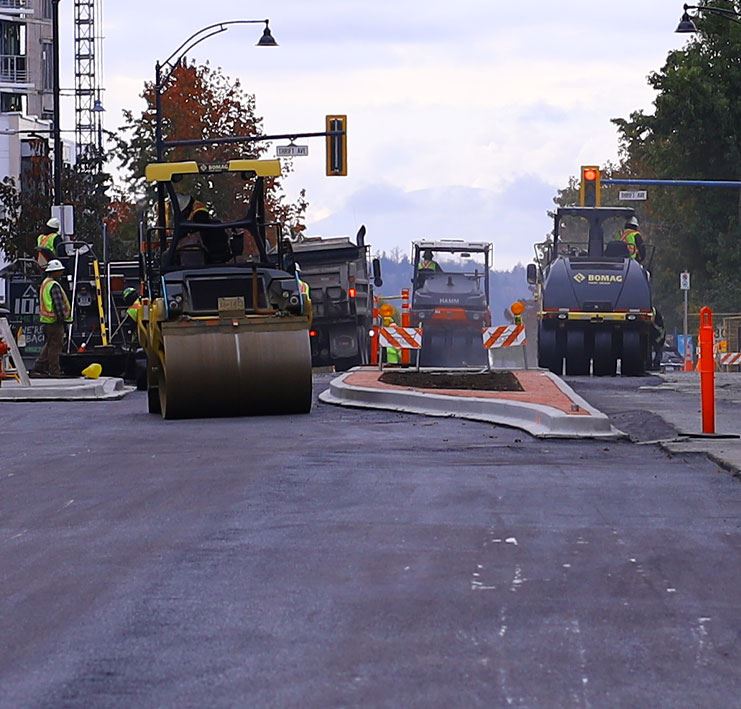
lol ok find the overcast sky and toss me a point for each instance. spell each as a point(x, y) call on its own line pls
point(464, 118)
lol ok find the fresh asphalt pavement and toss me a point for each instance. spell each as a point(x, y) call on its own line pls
point(355, 557)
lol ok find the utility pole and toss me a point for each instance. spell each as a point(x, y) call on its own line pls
point(57, 134)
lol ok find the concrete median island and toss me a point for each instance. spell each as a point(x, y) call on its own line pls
point(544, 405)
point(72, 389)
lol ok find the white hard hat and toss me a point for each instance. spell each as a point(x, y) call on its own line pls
point(183, 201)
point(54, 265)
point(633, 221)
point(53, 223)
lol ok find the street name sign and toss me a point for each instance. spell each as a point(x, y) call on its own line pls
point(291, 151)
point(684, 280)
point(633, 195)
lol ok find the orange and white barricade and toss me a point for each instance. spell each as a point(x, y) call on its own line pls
point(502, 336)
point(400, 338)
point(730, 359)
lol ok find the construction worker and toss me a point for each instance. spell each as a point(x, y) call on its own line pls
point(132, 302)
point(305, 291)
point(632, 238)
point(49, 243)
point(55, 311)
point(393, 356)
point(427, 263)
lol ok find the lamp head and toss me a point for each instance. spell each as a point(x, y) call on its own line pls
point(686, 24)
point(267, 39)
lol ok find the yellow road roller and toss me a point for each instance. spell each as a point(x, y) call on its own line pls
point(223, 321)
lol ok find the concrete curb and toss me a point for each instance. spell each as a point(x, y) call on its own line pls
point(538, 420)
point(102, 389)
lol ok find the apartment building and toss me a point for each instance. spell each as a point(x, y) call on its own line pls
point(26, 57)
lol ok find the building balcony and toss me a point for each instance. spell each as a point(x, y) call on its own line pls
point(16, 7)
point(13, 69)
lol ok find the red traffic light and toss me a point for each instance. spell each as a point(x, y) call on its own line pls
point(590, 175)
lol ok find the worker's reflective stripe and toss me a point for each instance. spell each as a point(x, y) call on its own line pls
point(402, 338)
point(46, 241)
point(428, 266)
point(197, 207)
point(47, 315)
point(730, 359)
point(503, 336)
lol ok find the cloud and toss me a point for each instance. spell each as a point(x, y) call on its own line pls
point(513, 218)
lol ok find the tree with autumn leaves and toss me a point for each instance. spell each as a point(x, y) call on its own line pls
point(198, 103)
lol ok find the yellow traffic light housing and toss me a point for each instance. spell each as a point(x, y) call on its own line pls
point(336, 146)
point(589, 186)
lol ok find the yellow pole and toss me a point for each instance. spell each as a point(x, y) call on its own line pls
point(99, 296)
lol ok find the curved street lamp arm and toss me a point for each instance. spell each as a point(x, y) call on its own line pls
point(721, 11)
point(222, 27)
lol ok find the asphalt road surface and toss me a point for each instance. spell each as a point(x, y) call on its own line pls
point(354, 558)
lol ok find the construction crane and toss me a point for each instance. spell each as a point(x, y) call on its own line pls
point(88, 73)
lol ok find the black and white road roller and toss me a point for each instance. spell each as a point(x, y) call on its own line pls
point(223, 319)
point(595, 299)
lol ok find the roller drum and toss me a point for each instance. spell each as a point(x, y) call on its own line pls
point(216, 371)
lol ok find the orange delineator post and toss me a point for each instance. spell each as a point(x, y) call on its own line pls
point(707, 370)
point(375, 337)
point(406, 321)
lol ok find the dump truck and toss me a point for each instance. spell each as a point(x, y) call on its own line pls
point(340, 276)
point(451, 302)
point(595, 300)
point(223, 321)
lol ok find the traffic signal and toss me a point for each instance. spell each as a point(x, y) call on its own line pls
point(589, 187)
point(336, 146)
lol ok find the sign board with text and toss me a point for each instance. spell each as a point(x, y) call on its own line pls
point(684, 280)
point(633, 195)
point(291, 151)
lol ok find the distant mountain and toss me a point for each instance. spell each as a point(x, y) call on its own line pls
point(505, 286)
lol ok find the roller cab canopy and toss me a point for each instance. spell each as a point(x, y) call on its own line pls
point(171, 171)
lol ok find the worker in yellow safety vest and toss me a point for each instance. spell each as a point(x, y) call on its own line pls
point(49, 243)
point(393, 356)
point(54, 311)
point(305, 291)
point(632, 238)
point(428, 263)
point(132, 302)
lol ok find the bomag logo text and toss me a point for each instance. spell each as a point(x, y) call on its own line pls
point(598, 278)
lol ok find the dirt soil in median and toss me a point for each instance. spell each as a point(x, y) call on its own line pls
point(467, 381)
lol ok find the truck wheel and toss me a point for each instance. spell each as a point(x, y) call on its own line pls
point(344, 363)
point(633, 361)
point(605, 360)
point(550, 354)
point(577, 359)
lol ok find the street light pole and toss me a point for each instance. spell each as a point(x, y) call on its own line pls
point(160, 80)
point(57, 131)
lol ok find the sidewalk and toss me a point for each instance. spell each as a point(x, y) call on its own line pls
point(675, 398)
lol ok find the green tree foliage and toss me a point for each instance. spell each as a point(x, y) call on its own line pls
point(200, 102)
point(693, 133)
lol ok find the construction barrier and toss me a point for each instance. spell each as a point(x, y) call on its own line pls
point(503, 336)
point(730, 359)
point(401, 338)
point(707, 370)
